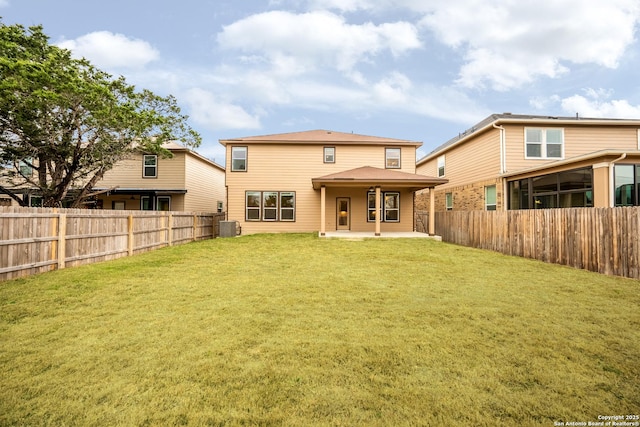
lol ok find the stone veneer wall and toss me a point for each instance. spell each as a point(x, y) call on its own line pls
point(468, 197)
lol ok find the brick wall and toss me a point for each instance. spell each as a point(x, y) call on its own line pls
point(465, 197)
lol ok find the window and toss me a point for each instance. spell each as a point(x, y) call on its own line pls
point(544, 143)
point(627, 185)
point(390, 209)
point(238, 159)
point(163, 203)
point(146, 203)
point(567, 189)
point(35, 201)
point(270, 206)
point(329, 154)
point(448, 201)
point(440, 166)
point(392, 158)
point(371, 206)
point(25, 167)
point(150, 166)
point(254, 205)
point(287, 206)
point(220, 206)
point(118, 205)
point(490, 198)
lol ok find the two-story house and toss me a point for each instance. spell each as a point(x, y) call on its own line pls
point(322, 181)
point(185, 182)
point(510, 161)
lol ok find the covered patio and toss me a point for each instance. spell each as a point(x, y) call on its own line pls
point(363, 191)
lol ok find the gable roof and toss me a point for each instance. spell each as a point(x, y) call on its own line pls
point(174, 146)
point(320, 136)
point(508, 118)
point(370, 176)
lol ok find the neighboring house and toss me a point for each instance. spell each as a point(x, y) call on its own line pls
point(322, 181)
point(510, 161)
point(185, 182)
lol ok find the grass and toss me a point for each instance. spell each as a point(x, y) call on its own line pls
point(295, 330)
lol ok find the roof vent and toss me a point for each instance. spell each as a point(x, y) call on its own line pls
point(506, 114)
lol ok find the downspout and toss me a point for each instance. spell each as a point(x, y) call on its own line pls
point(612, 193)
point(503, 163)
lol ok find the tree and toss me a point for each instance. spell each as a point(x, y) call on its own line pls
point(64, 123)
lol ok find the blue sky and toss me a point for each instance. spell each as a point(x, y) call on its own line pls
point(421, 70)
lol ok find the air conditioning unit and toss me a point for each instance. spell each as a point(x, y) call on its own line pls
point(229, 228)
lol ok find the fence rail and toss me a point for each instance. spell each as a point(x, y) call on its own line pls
point(604, 240)
point(35, 240)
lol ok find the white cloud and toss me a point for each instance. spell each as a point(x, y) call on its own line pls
point(508, 44)
point(4, 3)
point(214, 114)
point(598, 103)
point(108, 50)
point(299, 43)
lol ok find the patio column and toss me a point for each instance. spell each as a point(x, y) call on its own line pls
point(323, 213)
point(378, 210)
point(432, 214)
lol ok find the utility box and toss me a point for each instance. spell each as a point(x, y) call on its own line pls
point(228, 228)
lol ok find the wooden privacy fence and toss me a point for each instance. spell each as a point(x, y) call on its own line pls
point(604, 240)
point(34, 240)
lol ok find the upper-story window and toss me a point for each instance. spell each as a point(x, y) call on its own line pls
point(329, 154)
point(238, 159)
point(150, 166)
point(25, 167)
point(392, 158)
point(441, 166)
point(544, 143)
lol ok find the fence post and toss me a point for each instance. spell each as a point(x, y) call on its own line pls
point(62, 242)
point(170, 229)
point(195, 225)
point(55, 220)
point(130, 235)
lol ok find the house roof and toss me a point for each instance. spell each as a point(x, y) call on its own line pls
point(320, 136)
point(175, 146)
point(508, 118)
point(370, 176)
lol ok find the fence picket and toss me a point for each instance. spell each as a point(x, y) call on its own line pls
point(35, 240)
point(605, 240)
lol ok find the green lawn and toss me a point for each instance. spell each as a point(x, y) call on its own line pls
point(295, 330)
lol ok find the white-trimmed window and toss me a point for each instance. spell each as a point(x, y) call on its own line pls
point(441, 166)
point(254, 205)
point(543, 143)
point(270, 206)
point(150, 166)
point(390, 209)
point(329, 154)
point(490, 198)
point(448, 200)
point(163, 203)
point(25, 167)
point(288, 206)
point(392, 158)
point(238, 159)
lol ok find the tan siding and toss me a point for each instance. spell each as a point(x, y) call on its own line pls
point(578, 140)
point(290, 168)
point(128, 174)
point(468, 163)
point(205, 185)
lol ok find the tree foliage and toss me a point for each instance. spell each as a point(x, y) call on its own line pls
point(64, 123)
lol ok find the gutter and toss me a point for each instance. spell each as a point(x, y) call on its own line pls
point(503, 149)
